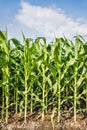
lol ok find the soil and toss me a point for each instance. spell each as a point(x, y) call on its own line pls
point(16, 122)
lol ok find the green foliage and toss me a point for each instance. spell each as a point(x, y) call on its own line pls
point(36, 75)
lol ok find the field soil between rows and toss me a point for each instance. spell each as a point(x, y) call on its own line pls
point(34, 123)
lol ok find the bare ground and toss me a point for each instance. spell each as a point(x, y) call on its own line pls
point(34, 122)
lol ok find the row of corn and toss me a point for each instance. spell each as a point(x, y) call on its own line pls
point(37, 75)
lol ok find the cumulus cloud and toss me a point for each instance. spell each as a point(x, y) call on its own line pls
point(49, 21)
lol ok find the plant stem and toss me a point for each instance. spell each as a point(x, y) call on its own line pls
point(31, 101)
point(75, 96)
point(43, 96)
point(25, 84)
point(3, 100)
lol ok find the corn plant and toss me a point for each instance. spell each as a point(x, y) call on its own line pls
point(43, 68)
point(6, 74)
point(15, 58)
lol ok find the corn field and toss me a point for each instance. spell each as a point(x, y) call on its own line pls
point(37, 75)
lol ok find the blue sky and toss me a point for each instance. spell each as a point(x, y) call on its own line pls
point(74, 7)
point(49, 18)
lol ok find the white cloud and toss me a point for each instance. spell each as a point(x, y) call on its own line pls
point(49, 21)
